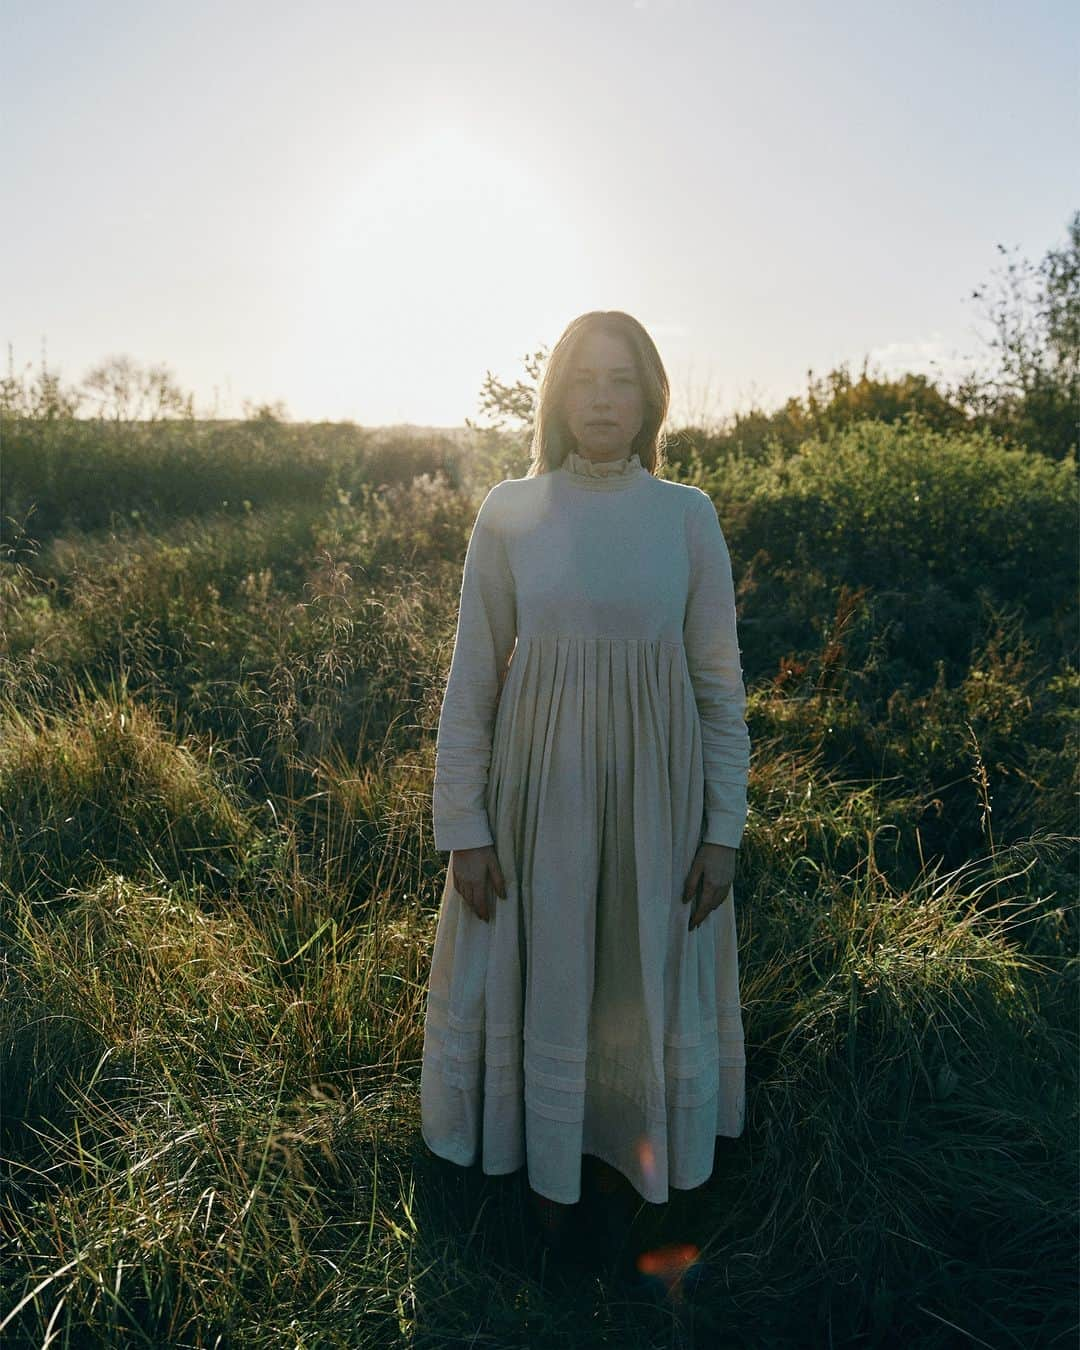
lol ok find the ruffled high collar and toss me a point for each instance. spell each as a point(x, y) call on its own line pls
point(613, 473)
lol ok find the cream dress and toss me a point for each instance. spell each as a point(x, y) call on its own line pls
point(595, 755)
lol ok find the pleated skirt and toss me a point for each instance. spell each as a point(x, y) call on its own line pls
point(584, 1017)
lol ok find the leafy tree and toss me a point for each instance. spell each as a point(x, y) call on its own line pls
point(501, 448)
point(1031, 395)
point(511, 407)
point(126, 391)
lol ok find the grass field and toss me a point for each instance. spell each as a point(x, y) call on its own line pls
point(221, 662)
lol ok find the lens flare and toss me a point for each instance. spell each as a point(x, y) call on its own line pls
point(670, 1266)
point(646, 1159)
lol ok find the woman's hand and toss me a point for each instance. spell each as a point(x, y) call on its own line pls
point(713, 870)
point(478, 878)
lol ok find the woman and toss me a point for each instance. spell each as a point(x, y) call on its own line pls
point(590, 785)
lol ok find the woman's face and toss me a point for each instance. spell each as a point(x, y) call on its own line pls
point(603, 402)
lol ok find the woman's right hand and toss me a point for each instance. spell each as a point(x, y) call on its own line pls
point(478, 878)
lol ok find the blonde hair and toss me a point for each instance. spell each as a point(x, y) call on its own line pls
point(551, 438)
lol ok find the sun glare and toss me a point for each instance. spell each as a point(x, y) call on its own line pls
point(444, 248)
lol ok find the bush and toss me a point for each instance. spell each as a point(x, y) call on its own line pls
point(931, 527)
point(107, 787)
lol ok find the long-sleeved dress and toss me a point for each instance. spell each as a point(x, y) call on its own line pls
point(595, 755)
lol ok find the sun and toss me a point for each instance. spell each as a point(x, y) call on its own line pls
point(446, 247)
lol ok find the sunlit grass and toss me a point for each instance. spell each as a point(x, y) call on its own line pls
point(219, 898)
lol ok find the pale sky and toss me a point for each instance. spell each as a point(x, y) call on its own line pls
point(359, 208)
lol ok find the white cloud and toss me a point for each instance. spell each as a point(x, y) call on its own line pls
point(930, 356)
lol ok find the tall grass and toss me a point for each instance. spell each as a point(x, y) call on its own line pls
point(219, 898)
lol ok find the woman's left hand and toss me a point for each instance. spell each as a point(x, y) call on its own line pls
point(713, 871)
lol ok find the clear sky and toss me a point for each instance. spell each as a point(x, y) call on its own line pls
point(359, 208)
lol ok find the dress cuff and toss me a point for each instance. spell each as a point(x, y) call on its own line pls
point(724, 830)
point(462, 834)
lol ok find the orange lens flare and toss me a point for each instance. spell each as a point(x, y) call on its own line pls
point(647, 1159)
point(669, 1264)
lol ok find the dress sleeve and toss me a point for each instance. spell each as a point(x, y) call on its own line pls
point(712, 653)
point(486, 631)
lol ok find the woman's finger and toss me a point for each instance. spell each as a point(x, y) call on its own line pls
point(488, 887)
point(473, 897)
point(691, 883)
point(712, 896)
point(700, 914)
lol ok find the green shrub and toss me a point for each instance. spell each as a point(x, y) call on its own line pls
point(106, 786)
point(931, 527)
